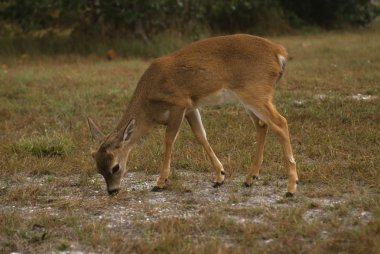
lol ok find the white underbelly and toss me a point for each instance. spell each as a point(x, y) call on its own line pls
point(221, 96)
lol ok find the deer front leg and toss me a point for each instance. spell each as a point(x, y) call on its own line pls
point(175, 120)
point(195, 122)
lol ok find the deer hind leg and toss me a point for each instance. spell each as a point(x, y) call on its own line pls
point(172, 129)
point(267, 113)
point(194, 119)
point(261, 132)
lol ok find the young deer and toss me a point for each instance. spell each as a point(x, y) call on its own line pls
point(174, 87)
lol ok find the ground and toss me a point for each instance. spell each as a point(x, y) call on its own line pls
point(52, 200)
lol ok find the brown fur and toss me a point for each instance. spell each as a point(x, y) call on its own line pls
point(174, 86)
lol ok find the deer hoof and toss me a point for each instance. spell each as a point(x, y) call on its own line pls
point(247, 185)
point(289, 194)
point(255, 177)
point(157, 189)
point(217, 184)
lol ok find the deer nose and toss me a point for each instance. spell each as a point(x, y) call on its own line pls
point(113, 191)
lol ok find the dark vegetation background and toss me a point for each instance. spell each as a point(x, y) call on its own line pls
point(56, 26)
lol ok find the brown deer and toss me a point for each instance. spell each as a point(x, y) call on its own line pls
point(174, 87)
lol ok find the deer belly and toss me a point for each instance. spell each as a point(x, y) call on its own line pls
point(222, 96)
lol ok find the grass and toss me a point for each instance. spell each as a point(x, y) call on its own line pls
point(52, 200)
point(44, 145)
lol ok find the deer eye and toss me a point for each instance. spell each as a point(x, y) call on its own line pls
point(115, 169)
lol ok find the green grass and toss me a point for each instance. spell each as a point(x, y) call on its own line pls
point(48, 177)
point(44, 145)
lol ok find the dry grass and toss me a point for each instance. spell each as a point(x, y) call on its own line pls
point(52, 200)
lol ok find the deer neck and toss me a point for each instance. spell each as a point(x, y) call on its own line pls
point(135, 110)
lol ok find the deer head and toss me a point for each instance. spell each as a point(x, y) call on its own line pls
point(112, 155)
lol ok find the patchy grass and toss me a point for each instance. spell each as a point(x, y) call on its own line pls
point(330, 95)
point(44, 145)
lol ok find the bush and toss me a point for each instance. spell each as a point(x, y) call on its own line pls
point(243, 16)
point(332, 14)
point(146, 18)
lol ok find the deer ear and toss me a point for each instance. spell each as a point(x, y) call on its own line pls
point(96, 133)
point(128, 130)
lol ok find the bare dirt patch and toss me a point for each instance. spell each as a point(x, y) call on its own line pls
point(188, 196)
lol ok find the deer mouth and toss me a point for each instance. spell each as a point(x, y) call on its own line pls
point(113, 192)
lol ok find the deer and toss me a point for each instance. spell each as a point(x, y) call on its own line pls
point(174, 87)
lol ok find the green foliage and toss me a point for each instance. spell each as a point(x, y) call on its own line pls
point(332, 14)
point(192, 17)
point(243, 15)
point(32, 15)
